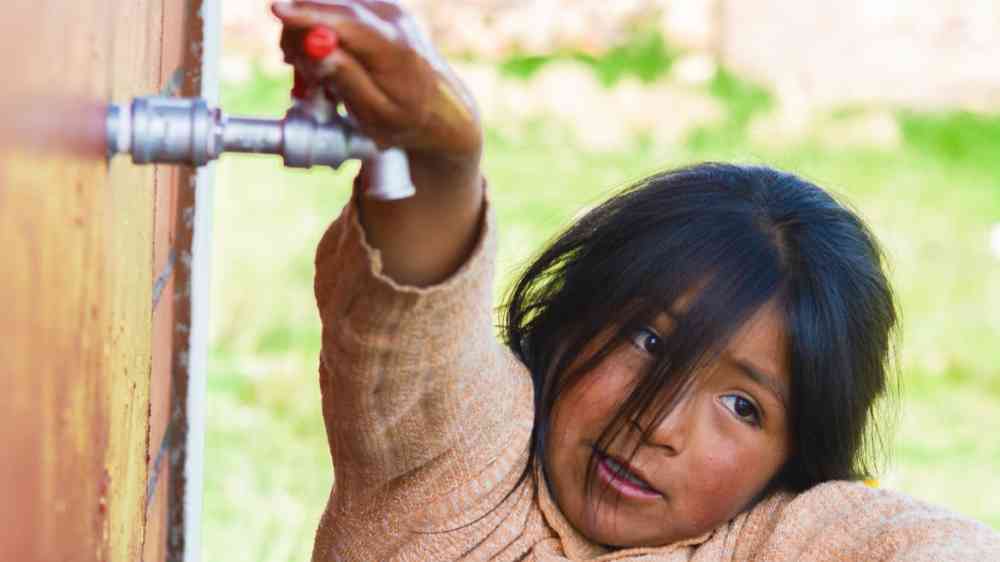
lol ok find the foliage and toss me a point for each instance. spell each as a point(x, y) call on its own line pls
point(959, 137)
point(743, 101)
point(645, 55)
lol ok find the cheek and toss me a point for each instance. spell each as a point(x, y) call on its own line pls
point(595, 399)
point(719, 478)
point(585, 409)
point(723, 480)
point(578, 418)
point(580, 415)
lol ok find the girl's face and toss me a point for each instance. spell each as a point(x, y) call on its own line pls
point(701, 466)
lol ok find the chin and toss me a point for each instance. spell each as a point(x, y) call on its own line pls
point(617, 532)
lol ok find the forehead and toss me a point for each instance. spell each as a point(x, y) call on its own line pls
point(760, 343)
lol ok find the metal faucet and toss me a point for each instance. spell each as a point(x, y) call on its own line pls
point(163, 130)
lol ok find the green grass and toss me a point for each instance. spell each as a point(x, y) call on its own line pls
point(645, 56)
point(931, 202)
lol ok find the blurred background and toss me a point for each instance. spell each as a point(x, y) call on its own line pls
point(892, 105)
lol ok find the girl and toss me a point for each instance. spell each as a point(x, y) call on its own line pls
point(689, 371)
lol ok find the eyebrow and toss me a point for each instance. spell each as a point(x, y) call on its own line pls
point(761, 378)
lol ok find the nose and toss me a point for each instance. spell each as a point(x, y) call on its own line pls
point(673, 433)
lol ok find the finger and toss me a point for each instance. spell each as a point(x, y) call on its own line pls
point(373, 15)
point(370, 106)
point(369, 45)
point(292, 43)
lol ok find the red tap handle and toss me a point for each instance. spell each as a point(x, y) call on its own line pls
point(319, 42)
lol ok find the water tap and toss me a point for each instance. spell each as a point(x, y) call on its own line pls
point(164, 130)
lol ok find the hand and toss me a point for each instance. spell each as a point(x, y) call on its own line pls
point(398, 88)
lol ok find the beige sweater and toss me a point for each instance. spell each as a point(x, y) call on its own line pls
point(429, 417)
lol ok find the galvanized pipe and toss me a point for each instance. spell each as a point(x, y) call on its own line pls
point(187, 131)
point(251, 135)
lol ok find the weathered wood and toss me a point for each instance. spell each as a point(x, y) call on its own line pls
point(87, 362)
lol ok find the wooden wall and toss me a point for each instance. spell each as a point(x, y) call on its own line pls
point(94, 284)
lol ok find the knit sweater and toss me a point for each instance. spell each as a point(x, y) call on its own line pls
point(429, 417)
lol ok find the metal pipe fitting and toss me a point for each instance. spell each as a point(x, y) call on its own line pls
point(187, 131)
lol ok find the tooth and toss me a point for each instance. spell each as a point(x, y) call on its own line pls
point(625, 473)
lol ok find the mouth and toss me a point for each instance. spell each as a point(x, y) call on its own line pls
point(623, 478)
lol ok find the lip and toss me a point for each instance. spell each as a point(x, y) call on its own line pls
point(610, 478)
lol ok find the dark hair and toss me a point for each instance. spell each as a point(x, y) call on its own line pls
point(742, 236)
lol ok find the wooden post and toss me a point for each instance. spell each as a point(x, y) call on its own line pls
point(95, 332)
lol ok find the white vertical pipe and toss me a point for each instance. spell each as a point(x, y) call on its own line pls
point(201, 247)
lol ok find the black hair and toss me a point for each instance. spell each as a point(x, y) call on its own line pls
point(737, 237)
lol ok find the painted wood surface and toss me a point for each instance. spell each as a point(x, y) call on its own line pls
point(92, 333)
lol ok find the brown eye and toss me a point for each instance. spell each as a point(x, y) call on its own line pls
point(646, 340)
point(743, 408)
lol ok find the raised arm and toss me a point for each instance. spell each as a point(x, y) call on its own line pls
point(403, 94)
point(417, 393)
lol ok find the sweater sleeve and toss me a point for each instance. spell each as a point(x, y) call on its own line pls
point(415, 386)
point(849, 521)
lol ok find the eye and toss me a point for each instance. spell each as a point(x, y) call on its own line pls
point(645, 339)
point(742, 408)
